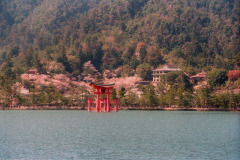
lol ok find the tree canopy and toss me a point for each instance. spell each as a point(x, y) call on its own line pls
point(115, 33)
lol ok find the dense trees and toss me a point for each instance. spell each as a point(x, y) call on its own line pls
point(109, 33)
point(144, 71)
point(217, 77)
point(86, 38)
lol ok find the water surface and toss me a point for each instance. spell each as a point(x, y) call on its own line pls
point(123, 135)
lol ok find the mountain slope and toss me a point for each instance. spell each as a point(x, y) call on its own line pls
point(190, 33)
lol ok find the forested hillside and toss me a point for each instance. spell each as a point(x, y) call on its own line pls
point(73, 42)
point(194, 34)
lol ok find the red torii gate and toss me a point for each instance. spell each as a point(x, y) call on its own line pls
point(102, 89)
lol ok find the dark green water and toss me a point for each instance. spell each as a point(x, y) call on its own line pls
point(122, 135)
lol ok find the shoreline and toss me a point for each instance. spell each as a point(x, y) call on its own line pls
point(122, 108)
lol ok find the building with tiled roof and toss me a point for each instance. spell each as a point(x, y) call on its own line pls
point(198, 77)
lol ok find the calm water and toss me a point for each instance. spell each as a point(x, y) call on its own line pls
point(122, 135)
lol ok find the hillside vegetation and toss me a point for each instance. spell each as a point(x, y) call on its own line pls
point(190, 33)
point(94, 39)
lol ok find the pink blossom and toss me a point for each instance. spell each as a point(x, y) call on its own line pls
point(126, 82)
point(60, 81)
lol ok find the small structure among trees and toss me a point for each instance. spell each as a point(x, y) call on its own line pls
point(102, 104)
point(198, 77)
point(33, 71)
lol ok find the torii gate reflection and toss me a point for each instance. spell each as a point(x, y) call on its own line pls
point(102, 89)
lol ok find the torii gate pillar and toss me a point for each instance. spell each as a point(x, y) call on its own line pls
point(102, 89)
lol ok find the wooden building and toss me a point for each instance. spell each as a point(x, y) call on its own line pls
point(32, 71)
point(198, 77)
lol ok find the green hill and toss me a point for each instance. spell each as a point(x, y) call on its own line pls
point(195, 34)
